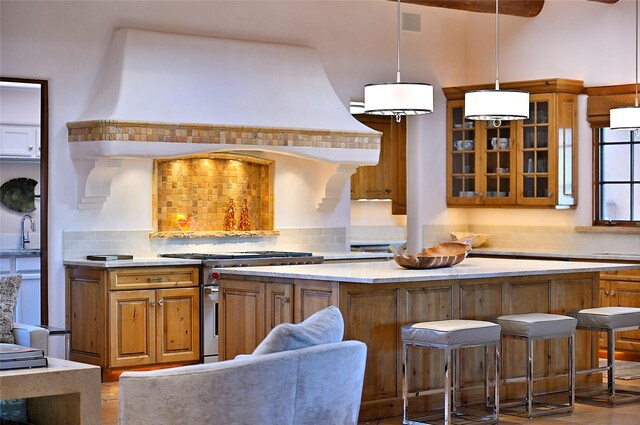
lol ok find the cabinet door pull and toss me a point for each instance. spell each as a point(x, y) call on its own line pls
point(606, 292)
point(286, 300)
point(161, 302)
point(30, 147)
point(155, 279)
point(153, 303)
point(613, 292)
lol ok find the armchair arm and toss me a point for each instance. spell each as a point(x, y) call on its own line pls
point(31, 336)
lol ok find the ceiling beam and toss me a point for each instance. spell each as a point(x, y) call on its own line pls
point(522, 8)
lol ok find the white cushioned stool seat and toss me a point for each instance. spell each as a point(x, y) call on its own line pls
point(452, 332)
point(533, 325)
point(608, 317)
point(451, 336)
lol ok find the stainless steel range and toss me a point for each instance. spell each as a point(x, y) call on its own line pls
point(209, 287)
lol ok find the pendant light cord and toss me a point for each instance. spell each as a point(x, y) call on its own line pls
point(636, 53)
point(398, 41)
point(498, 49)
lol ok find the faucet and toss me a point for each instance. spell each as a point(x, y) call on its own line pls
point(25, 237)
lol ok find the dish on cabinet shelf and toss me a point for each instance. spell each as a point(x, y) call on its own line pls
point(467, 194)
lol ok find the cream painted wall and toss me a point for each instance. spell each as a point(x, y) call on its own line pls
point(66, 43)
point(573, 39)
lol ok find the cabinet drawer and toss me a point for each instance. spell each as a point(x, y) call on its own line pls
point(632, 275)
point(152, 277)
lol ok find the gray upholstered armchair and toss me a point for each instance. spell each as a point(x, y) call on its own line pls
point(10, 332)
point(31, 336)
point(298, 375)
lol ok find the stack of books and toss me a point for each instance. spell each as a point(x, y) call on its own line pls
point(14, 356)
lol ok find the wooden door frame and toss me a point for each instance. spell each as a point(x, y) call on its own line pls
point(44, 192)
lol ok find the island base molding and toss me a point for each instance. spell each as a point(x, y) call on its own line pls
point(374, 314)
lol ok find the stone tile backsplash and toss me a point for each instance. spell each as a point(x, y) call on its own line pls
point(79, 244)
point(539, 238)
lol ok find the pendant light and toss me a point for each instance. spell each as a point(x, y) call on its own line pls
point(496, 105)
point(398, 98)
point(628, 117)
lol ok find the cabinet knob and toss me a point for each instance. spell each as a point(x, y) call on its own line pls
point(30, 147)
point(286, 300)
point(153, 303)
point(161, 302)
point(606, 292)
point(613, 292)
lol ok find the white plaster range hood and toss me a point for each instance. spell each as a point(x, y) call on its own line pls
point(169, 95)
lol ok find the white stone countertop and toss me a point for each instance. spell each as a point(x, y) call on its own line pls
point(135, 262)
point(353, 255)
point(20, 252)
point(390, 272)
point(559, 254)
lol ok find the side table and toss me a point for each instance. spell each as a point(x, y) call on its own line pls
point(66, 333)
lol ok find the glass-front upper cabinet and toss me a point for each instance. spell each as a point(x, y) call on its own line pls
point(538, 161)
point(462, 183)
point(517, 163)
point(499, 163)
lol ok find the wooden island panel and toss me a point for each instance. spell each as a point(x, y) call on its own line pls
point(375, 312)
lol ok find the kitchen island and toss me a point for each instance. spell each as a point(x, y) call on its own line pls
point(377, 298)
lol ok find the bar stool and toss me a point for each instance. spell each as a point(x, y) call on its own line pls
point(609, 320)
point(536, 326)
point(450, 336)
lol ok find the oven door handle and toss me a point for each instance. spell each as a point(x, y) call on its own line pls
point(212, 292)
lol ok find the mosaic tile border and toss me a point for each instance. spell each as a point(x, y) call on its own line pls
point(214, 234)
point(147, 131)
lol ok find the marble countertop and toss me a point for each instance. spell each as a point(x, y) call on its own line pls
point(136, 262)
point(354, 255)
point(20, 252)
point(389, 271)
point(558, 254)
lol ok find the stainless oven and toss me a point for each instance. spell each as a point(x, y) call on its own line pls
point(209, 340)
point(209, 285)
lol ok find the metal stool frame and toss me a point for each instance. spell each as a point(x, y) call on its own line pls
point(529, 402)
point(613, 396)
point(450, 392)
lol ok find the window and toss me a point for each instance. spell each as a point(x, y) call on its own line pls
point(617, 177)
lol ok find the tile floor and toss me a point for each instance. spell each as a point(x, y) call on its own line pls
point(587, 414)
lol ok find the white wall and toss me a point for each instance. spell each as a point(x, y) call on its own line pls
point(582, 40)
point(67, 43)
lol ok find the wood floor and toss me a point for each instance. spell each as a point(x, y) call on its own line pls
point(587, 414)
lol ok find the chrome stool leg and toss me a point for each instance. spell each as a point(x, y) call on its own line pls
point(405, 384)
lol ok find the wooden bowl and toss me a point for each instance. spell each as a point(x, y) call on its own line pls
point(442, 255)
point(476, 239)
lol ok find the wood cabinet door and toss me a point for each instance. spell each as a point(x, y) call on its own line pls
point(86, 315)
point(626, 294)
point(177, 325)
point(132, 337)
point(463, 161)
point(312, 296)
point(387, 179)
point(241, 317)
point(279, 305)
point(537, 153)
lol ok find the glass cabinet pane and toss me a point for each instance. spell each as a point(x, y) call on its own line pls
point(463, 156)
point(498, 149)
point(535, 151)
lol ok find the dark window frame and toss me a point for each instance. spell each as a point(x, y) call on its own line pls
point(599, 183)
